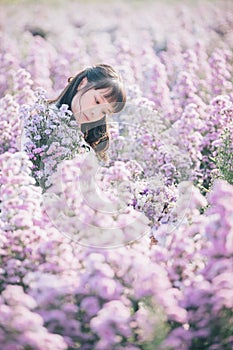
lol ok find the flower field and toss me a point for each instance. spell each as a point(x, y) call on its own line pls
point(135, 253)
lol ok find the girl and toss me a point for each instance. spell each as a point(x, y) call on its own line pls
point(92, 94)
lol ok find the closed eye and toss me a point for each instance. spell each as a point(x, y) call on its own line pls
point(97, 101)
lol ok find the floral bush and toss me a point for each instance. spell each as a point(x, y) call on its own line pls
point(135, 253)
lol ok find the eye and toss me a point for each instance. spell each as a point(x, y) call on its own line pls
point(97, 101)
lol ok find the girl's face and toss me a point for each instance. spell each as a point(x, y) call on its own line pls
point(91, 106)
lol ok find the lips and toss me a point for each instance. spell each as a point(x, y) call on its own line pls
point(86, 118)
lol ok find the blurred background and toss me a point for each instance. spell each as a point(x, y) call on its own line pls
point(54, 39)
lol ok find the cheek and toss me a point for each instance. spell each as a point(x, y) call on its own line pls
point(88, 101)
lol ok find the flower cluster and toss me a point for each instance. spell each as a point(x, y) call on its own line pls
point(224, 158)
point(89, 215)
point(9, 126)
point(206, 286)
point(21, 328)
point(50, 135)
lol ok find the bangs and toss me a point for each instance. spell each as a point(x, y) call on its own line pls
point(115, 95)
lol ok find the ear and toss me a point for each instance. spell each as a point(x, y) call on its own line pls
point(82, 83)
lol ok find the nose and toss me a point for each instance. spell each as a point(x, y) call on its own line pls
point(93, 112)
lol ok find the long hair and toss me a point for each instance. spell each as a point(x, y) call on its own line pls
point(100, 76)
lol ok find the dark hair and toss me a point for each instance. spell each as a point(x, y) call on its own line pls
point(100, 76)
